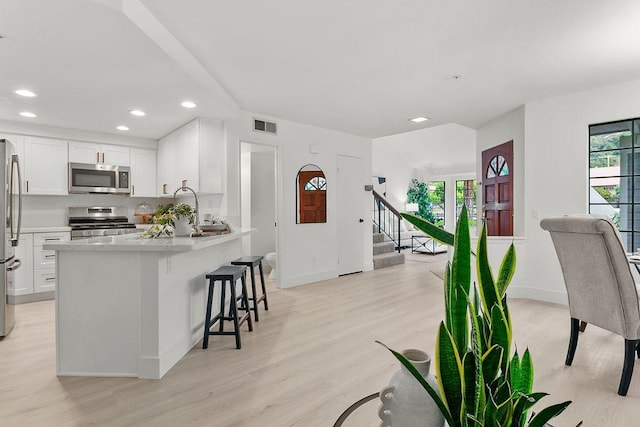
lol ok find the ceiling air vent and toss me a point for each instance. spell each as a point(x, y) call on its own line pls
point(264, 126)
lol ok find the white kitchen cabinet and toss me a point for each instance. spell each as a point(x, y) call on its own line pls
point(23, 276)
point(44, 261)
point(35, 280)
point(45, 166)
point(196, 152)
point(87, 152)
point(143, 172)
point(167, 169)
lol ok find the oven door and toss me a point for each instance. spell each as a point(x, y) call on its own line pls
point(89, 178)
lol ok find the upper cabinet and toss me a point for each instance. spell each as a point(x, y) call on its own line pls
point(87, 152)
point(45, 166)
point(143, 172)
point(196, 152)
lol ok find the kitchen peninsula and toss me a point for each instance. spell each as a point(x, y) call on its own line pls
point(129, 306)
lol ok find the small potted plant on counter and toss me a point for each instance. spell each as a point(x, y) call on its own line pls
point(169, 220)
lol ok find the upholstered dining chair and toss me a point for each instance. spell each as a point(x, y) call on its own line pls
point(599, 283)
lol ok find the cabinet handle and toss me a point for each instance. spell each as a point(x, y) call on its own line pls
point(103, 157)
point(49, 279)
point(50, 239)
point(164, 189)
point(27, 182)
point(133, 189)
point(97, 157)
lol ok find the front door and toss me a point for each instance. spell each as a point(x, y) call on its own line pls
point(497, 184)
point(350, 214)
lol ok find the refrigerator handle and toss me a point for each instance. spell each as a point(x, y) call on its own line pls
point(16, 162)
point(15, 265)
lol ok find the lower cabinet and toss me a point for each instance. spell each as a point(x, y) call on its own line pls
point(35, 280)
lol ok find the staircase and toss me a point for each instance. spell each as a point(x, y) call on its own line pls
point(384, 252)
point(386, 233)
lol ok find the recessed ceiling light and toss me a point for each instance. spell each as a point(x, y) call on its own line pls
point(418, 119)
point(188, 104)
point(138, 113)
point(25, 92)
point(122, 127)
point(28, 114)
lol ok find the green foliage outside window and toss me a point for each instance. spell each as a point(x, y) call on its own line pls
point(430, 201)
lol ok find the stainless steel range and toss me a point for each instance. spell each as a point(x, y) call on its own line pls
point(99, 221)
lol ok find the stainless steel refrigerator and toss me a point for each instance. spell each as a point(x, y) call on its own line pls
point(10, 216)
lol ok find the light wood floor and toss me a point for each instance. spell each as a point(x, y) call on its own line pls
point(310, 356)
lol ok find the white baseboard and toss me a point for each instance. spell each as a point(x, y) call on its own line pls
point(304, 279)
point(538, 294)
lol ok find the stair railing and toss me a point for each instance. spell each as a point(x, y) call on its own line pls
point(386, 219)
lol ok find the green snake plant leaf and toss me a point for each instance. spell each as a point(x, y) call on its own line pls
point(491, 363)
point(507, 269)
point(432, 392)
point(430, 229)
point(501, 334)
point(448, 297)
point(547, 413)
point(505, 409)
point(470, 384)
point(526, 373)
point(479, 399)
point(523, 403)
point(449, 374)
point(461, 281)
point(514, 371)
point(487, 286)
point(491, 412)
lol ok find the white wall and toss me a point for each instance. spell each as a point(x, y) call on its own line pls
point(556, 152)
point(551, 139)
point(507, 127)
point(306, 252)
point(263, 202)
point(443, 153)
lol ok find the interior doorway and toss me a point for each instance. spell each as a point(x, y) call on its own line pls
point(258, 199)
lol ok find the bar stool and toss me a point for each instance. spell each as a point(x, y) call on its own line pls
point(227, 274)
point(251, 262)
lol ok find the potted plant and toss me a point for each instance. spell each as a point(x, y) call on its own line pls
point(480, 382)
point(172, 219)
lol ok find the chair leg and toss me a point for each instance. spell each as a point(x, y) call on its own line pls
point(573, 341)
point(245, 298)
point(583, 325)
point(630, 347)
point(254, 297)
point(207, 320)
point(264, 290)
point(233, 313)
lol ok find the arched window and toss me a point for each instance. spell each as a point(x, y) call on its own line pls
point(311, 195)
point(316, 183)
point(497, 167)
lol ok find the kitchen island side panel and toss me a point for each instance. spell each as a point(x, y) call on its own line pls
point(97, 300)
point(132, 313)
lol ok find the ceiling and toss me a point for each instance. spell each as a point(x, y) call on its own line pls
point(359, 66)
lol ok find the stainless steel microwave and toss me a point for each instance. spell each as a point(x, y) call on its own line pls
point(90, 178)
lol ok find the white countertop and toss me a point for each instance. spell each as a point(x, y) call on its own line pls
point(135, 243)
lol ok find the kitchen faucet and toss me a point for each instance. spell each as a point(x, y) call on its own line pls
point(184, 187)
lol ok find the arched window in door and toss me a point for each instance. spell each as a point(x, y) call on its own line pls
point(312, 195)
